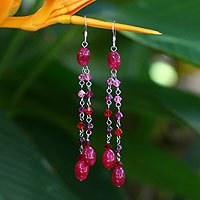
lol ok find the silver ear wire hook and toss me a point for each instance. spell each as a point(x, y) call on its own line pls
point(85, 43)
point(114, 48)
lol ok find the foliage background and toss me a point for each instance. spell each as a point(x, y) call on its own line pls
point(38, 102)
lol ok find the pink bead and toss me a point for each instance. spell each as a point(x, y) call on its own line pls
point(81, 170)
point(116, 83)
point(117, 99)
point(118, 149)
point(109, 159)
point(110, 81)
point(81, 93)
point(83, 56)
point(89, 94)
point(88, 77)
point(81, 109)
point(81, 77)
point(119, 115)
point(118, 176)
point(114, 60)
point(109, 97)
point(89, 155)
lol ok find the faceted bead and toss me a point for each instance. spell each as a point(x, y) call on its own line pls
point(81, 94)
point(89, 94)
point(88, 110)
point(90, 126)
point(108, 113)
point(88, 77)
point(109, 129)
point(87, 143)
point(81, 170)
point(119, 115)
point(89, 155)
point(114, 60)
point(109, 97)
point(81, 77)
point(118, 99)
point(81, 125)
point(109, 159)
point(81, 109)
point(108, 146)
point(118, 149)
point(118, 132)
point(110, 81)
point(118, 176)
point(116, 83)
point(83, 56)
point(82, 140)
point(119, 164)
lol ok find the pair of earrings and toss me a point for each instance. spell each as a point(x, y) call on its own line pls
point(87, 156)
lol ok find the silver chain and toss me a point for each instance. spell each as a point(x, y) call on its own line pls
point(118, 122)
point(89, 103)
point(109, 121)
point(88, 84)
point(81, 116)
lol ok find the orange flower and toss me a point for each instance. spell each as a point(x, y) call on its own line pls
point(53, 12)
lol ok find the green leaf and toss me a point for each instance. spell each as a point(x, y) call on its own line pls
point(39, 90)
point(24, 173)
point(142, 160)
point(159, 101)
point(62, 152)
point(177, 20)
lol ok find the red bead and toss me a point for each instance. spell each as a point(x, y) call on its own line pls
point(108, 146)
point(109, 159)
point(114, 60)
point(81, 170)
point(83, 56)
point(87, 143)
point(118, 176)
point(81, 125)
point(88, 110)
point(108, 113)
point(89, 155)
point(118, 132)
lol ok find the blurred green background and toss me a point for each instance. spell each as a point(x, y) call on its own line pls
point(160, 84)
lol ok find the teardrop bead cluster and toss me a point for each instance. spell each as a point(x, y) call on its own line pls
point(109, 162)
point(111, 159)
point(118, 175)
point(87, 156)
point(86, 160)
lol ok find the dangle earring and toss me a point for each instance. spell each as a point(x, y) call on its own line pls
point(110, 160)
point(87, 155)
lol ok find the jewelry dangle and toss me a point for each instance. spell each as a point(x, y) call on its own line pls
point(111, 160)
point(87, 155)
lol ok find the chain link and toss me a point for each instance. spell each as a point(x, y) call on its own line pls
point(118, 125)
point(88, 85)
point(109, 121)
point(109, 137)
point(114, 73)
point(81, 117)
point(89, 103)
